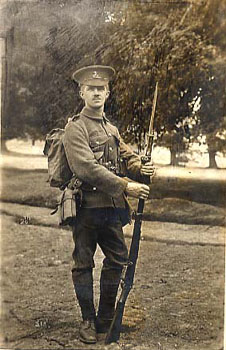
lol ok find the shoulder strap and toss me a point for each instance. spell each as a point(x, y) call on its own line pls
point(75, 117)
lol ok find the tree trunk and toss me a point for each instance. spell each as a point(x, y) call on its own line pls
point(3, 146)
point(212, 160)
point(33, 142)
point(173, 160)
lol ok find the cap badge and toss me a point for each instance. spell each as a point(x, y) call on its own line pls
point(95, 75)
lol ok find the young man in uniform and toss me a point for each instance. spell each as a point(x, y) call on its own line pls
point(97, 155)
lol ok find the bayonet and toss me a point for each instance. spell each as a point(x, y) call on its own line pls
point(150, 134)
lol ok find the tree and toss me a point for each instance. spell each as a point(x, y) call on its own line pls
point(70, 46)
point(149, 47)
point(145, 42)
point(182, 52)
point(211, 118)
point(30, 67)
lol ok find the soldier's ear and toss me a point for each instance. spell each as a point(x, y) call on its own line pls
point(81, 91)
point(107, 94)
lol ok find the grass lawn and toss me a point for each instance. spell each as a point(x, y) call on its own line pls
point(31, 187)
point(28, 187)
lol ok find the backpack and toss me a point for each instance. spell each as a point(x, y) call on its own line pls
point(59, 171)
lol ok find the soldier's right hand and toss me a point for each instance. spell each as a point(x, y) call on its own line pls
point(137, 190)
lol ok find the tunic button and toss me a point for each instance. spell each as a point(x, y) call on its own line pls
point(110, 149)
point(94, 188)
point(109, 134)
point(97, 142)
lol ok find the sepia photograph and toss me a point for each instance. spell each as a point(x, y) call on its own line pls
point(113, 174)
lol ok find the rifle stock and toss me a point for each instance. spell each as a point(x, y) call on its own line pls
point(113, 334)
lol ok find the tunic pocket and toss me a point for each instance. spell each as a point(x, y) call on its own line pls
point(97, 145)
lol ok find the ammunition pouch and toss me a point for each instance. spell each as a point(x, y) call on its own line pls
point(114, 168)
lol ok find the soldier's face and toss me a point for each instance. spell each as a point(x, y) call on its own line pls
point(94, 96)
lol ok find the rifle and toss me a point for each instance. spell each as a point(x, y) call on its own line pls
point(127, 277)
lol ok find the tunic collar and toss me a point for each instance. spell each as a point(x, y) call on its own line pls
point(92, 113)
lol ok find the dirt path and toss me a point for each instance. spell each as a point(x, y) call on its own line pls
point(176, 302)
point(168, 232)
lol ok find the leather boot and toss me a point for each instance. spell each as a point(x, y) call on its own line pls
point(109, 282)
point(87, 332)
point(83, 285)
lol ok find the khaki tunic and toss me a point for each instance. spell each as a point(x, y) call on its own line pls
point(96, 154)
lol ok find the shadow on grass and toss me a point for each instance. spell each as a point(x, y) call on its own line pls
point(14, 171)
point(20, 155)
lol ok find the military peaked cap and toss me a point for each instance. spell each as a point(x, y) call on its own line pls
point(94, 75)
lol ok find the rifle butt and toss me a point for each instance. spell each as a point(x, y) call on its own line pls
point(114, 331)
point(113, 334)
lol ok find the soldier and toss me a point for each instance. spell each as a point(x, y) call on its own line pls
point(97, 155)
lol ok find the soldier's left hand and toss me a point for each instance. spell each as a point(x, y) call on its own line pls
point(147, 169)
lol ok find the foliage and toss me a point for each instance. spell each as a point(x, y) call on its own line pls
point(180, 45)
point(69, 46)
point(27, 68)
point(210, 117)
point(146, 43)
point(151, 47)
